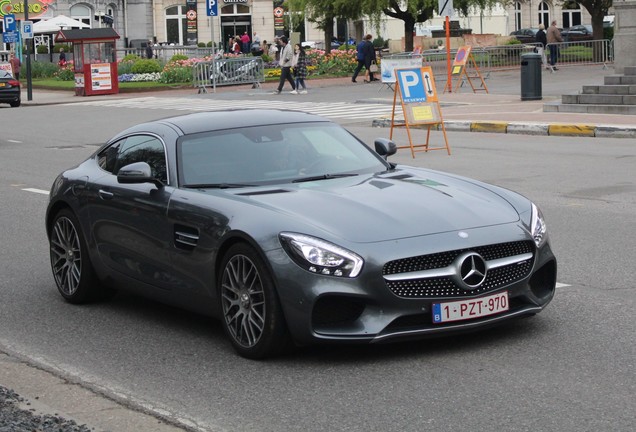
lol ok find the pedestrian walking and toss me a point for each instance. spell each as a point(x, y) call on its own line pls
point(299, 63)
point(15, 66)
point(286, 57)
point(541, 38)
point(554, 38)
point(62, 59)
point(365, 54)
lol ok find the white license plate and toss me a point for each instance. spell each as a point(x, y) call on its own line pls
point(469, 309)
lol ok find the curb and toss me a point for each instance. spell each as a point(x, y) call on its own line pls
point(548, 129)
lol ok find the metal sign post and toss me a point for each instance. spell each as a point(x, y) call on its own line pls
point(446, 9)
point(212, 9)
point(28, 56)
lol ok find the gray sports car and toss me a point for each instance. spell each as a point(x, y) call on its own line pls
point(292, 231)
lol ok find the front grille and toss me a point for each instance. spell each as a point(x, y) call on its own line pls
point(445, 286)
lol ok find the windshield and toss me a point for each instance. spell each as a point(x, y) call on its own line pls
point(273, 154)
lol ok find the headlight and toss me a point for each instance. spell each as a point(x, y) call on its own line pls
point(318, 256)
point(538, 228)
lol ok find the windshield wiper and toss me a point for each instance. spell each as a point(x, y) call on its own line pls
point(323, 177)
point(218, 185)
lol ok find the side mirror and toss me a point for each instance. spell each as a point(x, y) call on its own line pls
point(385, 147)
point(137, 173)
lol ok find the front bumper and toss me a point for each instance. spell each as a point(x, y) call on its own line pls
point(328, 309)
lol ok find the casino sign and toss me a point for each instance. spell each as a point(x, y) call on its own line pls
point(36, 8)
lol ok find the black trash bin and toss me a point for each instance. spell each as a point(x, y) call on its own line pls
point(531, 76)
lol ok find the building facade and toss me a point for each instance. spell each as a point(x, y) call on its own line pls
point(185, 22)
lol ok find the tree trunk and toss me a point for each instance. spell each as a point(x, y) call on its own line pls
point(409, 29)
point(328, 33)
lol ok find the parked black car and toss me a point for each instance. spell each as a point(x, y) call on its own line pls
point(577, 33)
point(9, 89)
point(526, 35)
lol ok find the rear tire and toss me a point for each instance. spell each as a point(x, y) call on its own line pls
point(252, 315)
point(72, 268)
point(15, 104)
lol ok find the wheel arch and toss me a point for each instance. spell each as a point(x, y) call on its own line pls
point(54, 209)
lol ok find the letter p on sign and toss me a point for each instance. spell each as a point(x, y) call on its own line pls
point(411, 85)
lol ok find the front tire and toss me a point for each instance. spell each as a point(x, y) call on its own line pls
point(252, 315)
point(71, 265)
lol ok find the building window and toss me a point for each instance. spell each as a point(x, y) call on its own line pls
point(517, 15)
point(544, 14)
point(571, 14)
point(176, 25)
point(82, 13)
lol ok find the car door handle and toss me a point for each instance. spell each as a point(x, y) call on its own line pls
point(105, 194)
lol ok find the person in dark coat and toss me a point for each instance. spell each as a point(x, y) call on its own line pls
point(541, 38)
point(299, 63)
point(365, 56)
point(149, 49)
point(62, 59)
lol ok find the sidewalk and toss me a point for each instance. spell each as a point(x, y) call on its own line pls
point(499, 110)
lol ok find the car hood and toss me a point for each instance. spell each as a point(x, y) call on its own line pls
point(380, 208)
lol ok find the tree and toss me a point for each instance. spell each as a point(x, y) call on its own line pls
point(416, 11)
point(324, 13)
point(597, 9)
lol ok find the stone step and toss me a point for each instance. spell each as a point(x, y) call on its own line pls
point(610, 89)
point(599, 99)
point(620, 79)
point(589, 109)
point(629, 70)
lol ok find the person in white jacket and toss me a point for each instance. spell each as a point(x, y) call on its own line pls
point(286, 57)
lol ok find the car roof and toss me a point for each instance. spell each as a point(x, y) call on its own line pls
point(220, 120)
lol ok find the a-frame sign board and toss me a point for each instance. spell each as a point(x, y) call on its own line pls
point(462, 59)
point(420, 105)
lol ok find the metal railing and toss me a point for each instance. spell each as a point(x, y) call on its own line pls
point(166, 52)
point(228, 71)
point(500, 58)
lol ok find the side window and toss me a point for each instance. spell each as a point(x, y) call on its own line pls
point(137, 148)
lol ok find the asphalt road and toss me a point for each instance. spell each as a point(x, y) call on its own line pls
point(570, 368)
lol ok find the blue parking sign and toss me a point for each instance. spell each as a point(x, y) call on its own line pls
point(212, 7)
point(411, 85)
point(9, 23)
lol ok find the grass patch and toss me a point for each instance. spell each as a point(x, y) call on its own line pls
point(52, 84)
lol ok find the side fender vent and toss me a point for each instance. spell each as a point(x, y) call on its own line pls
point(185, 238)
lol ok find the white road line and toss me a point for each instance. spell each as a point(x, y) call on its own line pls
point(39, 191)
point(14, 141)
point(562, 285)
point(334, 110)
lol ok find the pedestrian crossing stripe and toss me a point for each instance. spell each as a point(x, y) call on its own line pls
point(338, 110)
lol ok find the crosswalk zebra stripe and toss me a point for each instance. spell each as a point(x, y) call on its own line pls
point(325, 109)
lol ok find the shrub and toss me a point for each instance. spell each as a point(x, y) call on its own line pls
point(176, 74)
point(379, 42)
point(178, 57)
point(125, 67)
point(130, 58)
point(65, 73)
point(513, 41)
point(209, 44)
point(42, 49)
point(58, 47)
point(146, 66)
point(43, 69)
point(201, 44)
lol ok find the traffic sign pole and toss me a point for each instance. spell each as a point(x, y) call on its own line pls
point(28, 56)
